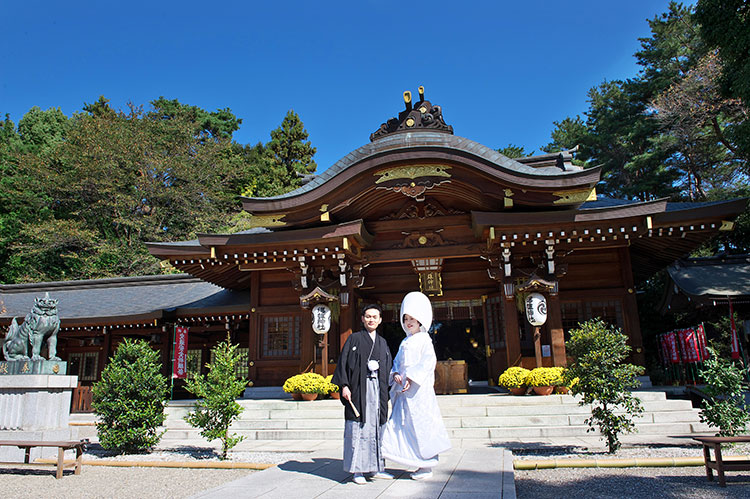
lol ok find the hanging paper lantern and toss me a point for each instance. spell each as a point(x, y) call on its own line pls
point(321, 319)
point(536, 309)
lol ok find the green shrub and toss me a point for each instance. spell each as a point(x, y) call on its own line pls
point(604, 379)
point(129, 399)
point(306, 383)
point(513, 377)
point(217, 391)
point(726, 408)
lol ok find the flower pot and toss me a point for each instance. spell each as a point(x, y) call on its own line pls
point(543, 390)
point(518, 390)
point(562, 389)
point(309, 396)
point(335, 395)
point(296, 396)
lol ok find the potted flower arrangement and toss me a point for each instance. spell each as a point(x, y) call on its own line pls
point(514, 379)
point(332, 390)
point(306, 386)
point(541, 380)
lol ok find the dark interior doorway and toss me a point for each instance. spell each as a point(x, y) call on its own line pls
point(453, 340)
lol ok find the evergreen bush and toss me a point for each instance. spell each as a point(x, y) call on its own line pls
point(726, 408)
point(217, 407)
point(604, 379)
point(129, 399)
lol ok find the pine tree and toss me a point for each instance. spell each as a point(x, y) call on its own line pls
point(289, 151)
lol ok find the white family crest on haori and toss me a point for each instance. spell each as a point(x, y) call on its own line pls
point(415, 433)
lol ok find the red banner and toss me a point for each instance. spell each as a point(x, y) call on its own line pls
point(179, 363)
point(691, 346)
point(674, 352)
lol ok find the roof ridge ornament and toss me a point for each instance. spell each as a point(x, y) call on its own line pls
point(420, 116)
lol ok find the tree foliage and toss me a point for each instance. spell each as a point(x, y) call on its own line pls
point(216, 407)
point(725, 25)
point(81, 195)
point(289, 154)
point(725, 408)
point(513, 151)
point(129, 399)
point(604, 378)
point(673, 130)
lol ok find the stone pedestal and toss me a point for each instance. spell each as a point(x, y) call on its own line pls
point(35, 407)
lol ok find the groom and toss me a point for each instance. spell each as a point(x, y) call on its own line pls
point(362, 373)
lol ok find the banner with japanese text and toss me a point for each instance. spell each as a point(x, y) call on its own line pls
point(179, 362)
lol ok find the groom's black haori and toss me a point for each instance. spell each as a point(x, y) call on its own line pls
point(351, 370)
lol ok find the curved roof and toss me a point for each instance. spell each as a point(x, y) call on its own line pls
point(427, 146)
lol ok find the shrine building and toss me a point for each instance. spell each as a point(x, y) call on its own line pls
point(416, 208)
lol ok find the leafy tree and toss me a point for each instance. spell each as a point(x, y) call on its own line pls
point(289, 153)
point(513, 151)
point(129, 399)
point(42, 130)
point(216, 407)
point(725, 24)
point(219, 124)
point(726, 408)
point(567, 134)
point(99, 108)
point(604, 379)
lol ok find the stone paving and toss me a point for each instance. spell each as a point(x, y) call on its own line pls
point(462, 473)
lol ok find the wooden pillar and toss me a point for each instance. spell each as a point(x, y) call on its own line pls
point(308, 339)
point(166, 349)
point(538, 345)
point(630, 309)
point(556, 332)
point(512, 335)
point(253, 328)
point(107, 344)
point(346, 319)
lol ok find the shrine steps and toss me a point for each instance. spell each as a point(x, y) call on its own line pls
point(493, 417)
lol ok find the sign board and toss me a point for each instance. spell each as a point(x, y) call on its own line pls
point(179, 362)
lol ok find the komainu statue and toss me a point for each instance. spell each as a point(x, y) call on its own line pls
point(42, 322)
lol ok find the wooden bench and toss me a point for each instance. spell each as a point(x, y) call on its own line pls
point(718, 463)
point(62, 446)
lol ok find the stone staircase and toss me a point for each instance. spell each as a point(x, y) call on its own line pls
point(493, 417)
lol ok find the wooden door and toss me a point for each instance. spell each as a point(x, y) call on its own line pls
point(494, 335)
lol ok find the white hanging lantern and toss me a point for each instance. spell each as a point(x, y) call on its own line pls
point(536, 309)
point(321, 318)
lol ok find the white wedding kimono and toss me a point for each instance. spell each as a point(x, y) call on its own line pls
point(415, 434)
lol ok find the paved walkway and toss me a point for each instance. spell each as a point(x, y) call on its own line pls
point(462, 473)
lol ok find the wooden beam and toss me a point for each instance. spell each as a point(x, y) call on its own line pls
point(407, 254)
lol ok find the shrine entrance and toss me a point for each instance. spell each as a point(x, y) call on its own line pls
point(457, 333)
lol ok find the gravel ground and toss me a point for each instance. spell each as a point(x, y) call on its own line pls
point(106, 482)
point(599, 483)
point(119, 482)
point(642, 483)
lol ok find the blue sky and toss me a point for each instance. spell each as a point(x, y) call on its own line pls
point(502, 71)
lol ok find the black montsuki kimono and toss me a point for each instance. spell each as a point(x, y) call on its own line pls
point(351, 371)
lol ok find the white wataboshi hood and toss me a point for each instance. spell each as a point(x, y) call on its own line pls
point(418, 306)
